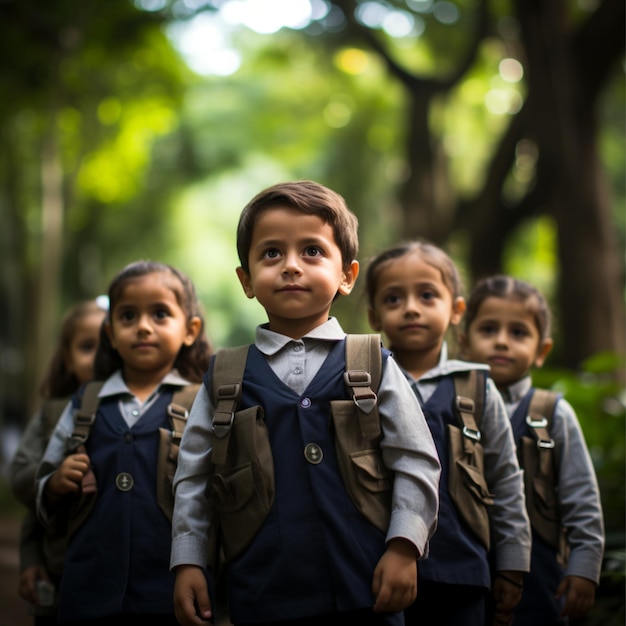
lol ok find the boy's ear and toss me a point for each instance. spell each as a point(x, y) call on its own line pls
point(194, 326)
point(373, 319)
point(349, 278)
point(458, 310)
point(246, 283)
point(543, 351)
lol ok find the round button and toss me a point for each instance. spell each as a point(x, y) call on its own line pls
point(128, 437)
point(124, 481)
point(297, 348)
point(313, 453)
point(135, 412)
point(305, 403)
point(297, 370)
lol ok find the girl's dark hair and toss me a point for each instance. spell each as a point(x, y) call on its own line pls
point(192, 361)
point(432, 254)
point(59, 381)
point(502, 286)
point(309, 198)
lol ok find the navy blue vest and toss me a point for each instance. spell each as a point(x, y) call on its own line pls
point(118, 560)
point(538, 604)
point(315, 553)
point(456, 556)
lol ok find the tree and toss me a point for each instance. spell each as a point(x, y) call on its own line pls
point(568, 58)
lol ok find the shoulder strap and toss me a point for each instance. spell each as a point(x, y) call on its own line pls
point(178, 410)
point(469, 403)
point(362, 376)
point(539, 419)
point(227, 377)
point(540, 413)
point(86, 413)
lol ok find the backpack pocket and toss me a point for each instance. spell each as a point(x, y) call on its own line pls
point(366, 478)
point(467, 486)
point(242, 489)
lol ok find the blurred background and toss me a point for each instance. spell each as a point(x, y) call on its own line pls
point(140, 129)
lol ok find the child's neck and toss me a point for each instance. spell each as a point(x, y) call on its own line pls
point(416, 362)
point(141, 384)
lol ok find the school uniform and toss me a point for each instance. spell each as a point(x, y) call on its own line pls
point(458, 566)
point(315, 554)
point(579, 506)
point(117, 560)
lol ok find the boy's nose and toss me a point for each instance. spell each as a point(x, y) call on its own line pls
point(144, 325)
point(292, 264)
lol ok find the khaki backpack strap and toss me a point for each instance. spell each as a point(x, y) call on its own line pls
point(539, 419)
point(469, 401)
point(362, 376)
point(85, 415)
point(227, 377)
point(178, 410)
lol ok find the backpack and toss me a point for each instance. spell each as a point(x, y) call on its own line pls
point(466, 479)
point(536, 456)
point(169, 444)
point(242, 473)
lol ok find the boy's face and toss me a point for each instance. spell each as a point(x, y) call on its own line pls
point(296, 270)
point(504, 335)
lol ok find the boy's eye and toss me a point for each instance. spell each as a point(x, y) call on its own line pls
point(487, 329)
point(519, 333)
point(126, 316)
point(428, 295)
point(312, 251)
point(87, 346)
point(271, 253)
point(391, 299)
point(161, 314)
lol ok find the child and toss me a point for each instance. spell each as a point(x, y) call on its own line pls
point(413, 293)
point(41, 553)
point(508, 327)
point(315, 558)
point(152, 345)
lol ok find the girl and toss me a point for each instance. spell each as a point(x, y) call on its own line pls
point(413, 293)
point(117, 561)
point(508, 327)
point(41, 553)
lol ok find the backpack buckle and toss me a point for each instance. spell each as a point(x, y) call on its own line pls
point(545, 444)
point(362, 395)
point(472, 434)
point(177, 411)
point(464, 404)
point(222, 422)
point(540, 423)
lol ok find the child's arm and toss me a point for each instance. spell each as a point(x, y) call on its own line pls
point(191, 596)
point(579, 496)
point(409, 452)
point(511, 537)
point(395, 577)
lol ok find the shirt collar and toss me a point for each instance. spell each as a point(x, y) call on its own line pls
point(515, 392)
point(450, 366)
point(115, 384)
point(269, 342)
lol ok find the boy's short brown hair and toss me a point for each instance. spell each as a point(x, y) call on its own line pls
point(309, 198)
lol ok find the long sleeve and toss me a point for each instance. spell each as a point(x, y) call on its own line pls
point(509, 520)
point(579, 495)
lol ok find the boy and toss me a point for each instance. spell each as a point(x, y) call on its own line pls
point(313, 555)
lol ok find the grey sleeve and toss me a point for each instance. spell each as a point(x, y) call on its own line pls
point(409, 451)
point(510, 526)
point(579, 495)
point(190, 522)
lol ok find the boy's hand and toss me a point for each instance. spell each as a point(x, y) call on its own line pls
point(191, 596)
point(395, 578)
point(27, 586)
point(507, 592)
point(68, 477)
point(580, 594)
